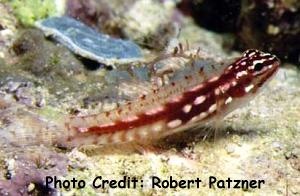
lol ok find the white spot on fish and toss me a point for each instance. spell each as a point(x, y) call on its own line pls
point(213, 79)
point(82, 129)
point(212, 108)
point(174, 123)
point(176, 99)
point(252, 53)
point(194, 119)
point(130, 119)
point(196, 88)
point(107, 125)
point(272, 58)
point(259, 61)
point(154, 111)
point(217, 91)
point(234, 83)
point(228, 100)
point(187, 108)
point(199, 100)
point(202, 115)
point(248, 88)
point(265, 54)
point(241, 73)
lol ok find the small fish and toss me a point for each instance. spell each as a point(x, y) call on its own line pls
point(195, 100)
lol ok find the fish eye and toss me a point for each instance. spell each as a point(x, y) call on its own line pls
point(258, 67)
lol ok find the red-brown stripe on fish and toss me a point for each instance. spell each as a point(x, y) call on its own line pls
point(177, 106)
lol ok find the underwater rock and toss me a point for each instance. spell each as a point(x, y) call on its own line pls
point(272, 26)
point(26, 172)
point(29, 46)
point(39, 56)
point(88, 43)
point(268, 25)
point(85, 11)
point(96, 14)
point(148, 22)
point(7, 31)
point(25, 93)
point(220, 16)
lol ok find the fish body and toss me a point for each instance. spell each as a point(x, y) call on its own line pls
point(196, 99)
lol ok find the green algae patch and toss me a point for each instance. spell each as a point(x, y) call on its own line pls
point(28, 11)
